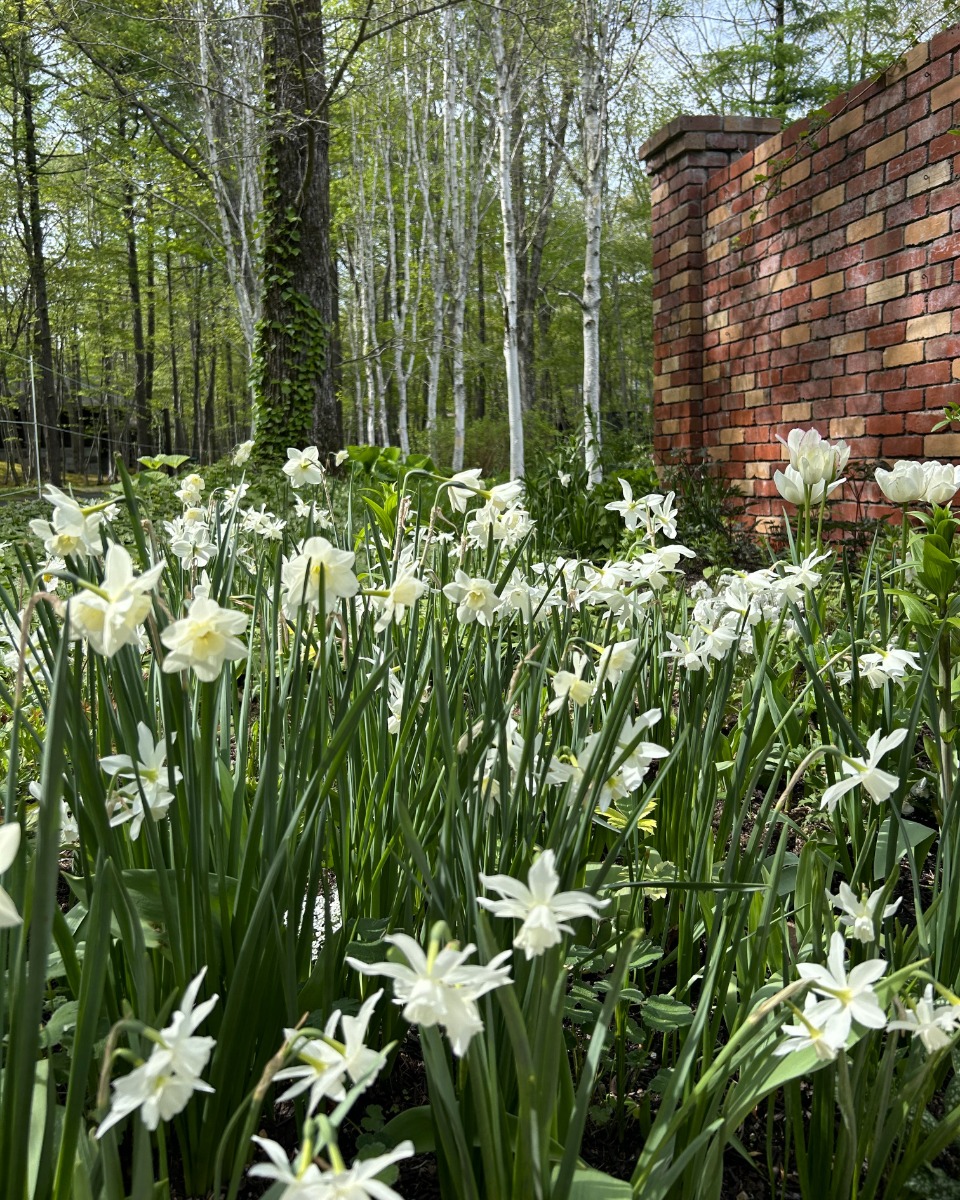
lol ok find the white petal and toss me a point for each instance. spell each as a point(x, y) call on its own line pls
point(9, 844)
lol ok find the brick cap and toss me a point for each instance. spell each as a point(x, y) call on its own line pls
point(668, 142)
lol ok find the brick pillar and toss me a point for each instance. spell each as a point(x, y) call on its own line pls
point(680, 158)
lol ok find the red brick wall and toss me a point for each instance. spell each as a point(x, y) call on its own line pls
point(811, 277)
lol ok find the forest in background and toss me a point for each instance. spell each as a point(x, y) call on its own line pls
point(422, 225)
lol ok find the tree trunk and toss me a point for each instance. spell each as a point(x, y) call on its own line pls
point(505, 102)
point(533, 238)
point(593, 103)
point(293, 369)
point(32, 221)
point(180, 433)
point(481, 407)
point(141, 399)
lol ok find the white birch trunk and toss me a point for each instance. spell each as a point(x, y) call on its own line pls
point(401, 297)
point(593, 51)
point(435, 228)
point(465, 166)
point(232, 142)
point(511, 355)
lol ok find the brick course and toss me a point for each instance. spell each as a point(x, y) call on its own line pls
point(811, 275)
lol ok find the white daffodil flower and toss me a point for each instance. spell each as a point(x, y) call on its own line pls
point(148, 778)
point(851, 993)
point(537, 903)
point(630, 509)
point(866, 773)
point(617, 658)
point(232, 497)
point(470, 485)
point(241, 455)
point(860, 912)
point(190, 491)
point(799, 577)
point(303, 467)
point(570, 685)
point(324, 1063)
point(161, 1087)
point(263, 524)
point(662, 515)
point(475, 597)
point(402, 594)
point(881, 666)
point(70, 531)
point(110, 614)
point(818, 1027)
point(641, 755)
point(301, 1179)
point(318, 562)
point(934, 1024)
point(506, 495)
point(190, 540)
point(9, 845)
point(690, 651)
point(204, 639)
point(439, 988)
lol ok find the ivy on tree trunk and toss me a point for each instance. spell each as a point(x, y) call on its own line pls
point(293, 378)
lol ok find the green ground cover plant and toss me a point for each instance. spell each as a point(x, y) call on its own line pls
point(645, 884)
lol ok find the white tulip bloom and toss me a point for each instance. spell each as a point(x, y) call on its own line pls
point(438, 988)
point(905, 484)
point(9, 845)
point(204, 639)
point(791, 486)
point(537, 903)
point(813, 458)
point(866, 772)
point(940, 482)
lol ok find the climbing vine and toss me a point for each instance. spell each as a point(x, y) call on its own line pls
point(290, 349)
